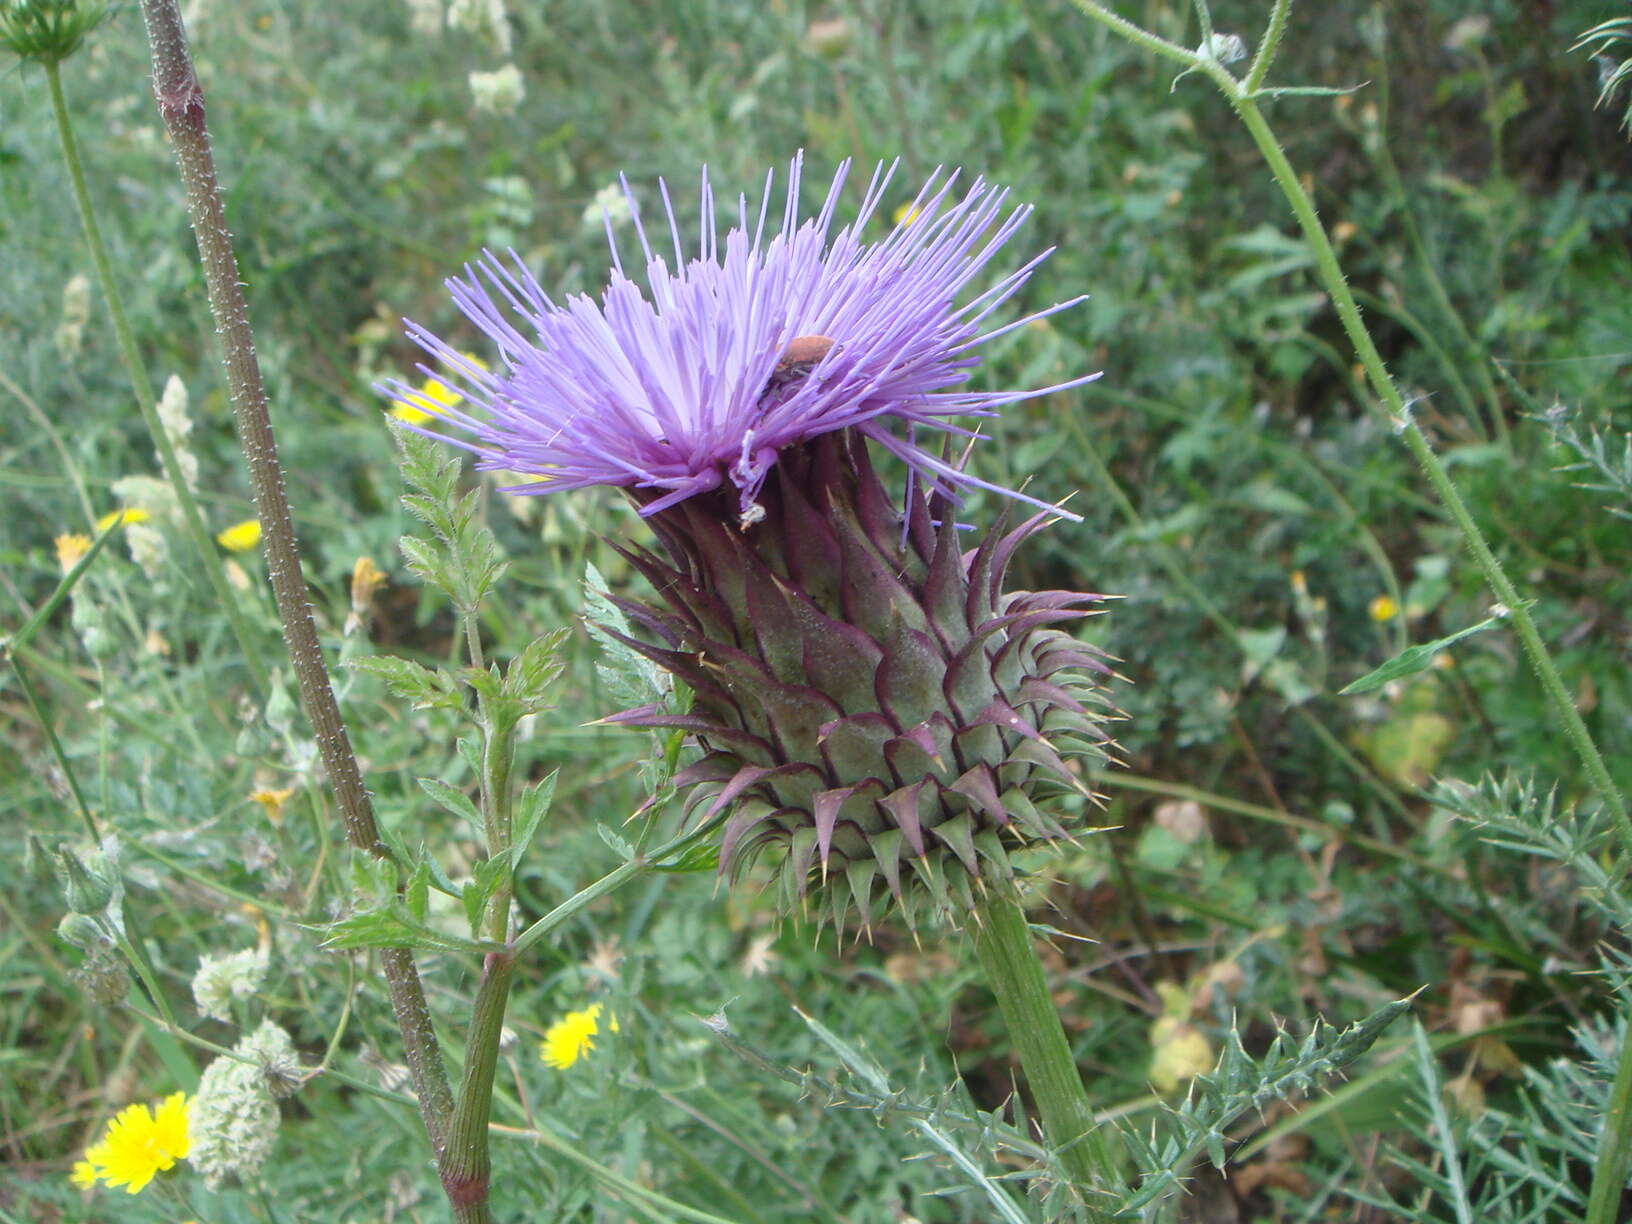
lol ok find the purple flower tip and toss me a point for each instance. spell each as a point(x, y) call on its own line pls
point(748, 347)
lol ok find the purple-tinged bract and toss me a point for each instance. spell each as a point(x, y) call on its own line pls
point(682, 387)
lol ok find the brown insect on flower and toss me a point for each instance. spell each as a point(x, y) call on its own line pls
point(801, 356)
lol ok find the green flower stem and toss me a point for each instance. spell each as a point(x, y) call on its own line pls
point(181, 106)
point(144, 971)
point(610, 882)
point(57, 751)
point(192, 518)
point(1003, 943)
point(1610, 1171)
point(1615, 1142)
point(464, 1164)
point(1468, 347)
point(1332, 280)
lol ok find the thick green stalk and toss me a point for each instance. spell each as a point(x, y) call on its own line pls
point(192, 518)
point(181, 106)
point(464, 1164)
point(1002, 940)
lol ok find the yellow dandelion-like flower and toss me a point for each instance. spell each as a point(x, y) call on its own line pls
point(125, 517)
point(139, 1144)
point(83, 1175)
point(240, 537)
point(1383, 609)
point(70, 548)
point(905, 216)
point(272, 801)
point(433, 396)
point(573, 1036)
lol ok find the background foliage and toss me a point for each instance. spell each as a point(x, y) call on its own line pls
point(1275, 856)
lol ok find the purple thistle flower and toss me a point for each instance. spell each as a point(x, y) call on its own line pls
point(699, 380)
point(875, 710)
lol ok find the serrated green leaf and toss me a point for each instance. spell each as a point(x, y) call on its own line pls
point(620, 847)
point(427, 563)
point(630, 678)
point(859, 1065)
point(530, 811)
point(532, 672)
point(372, 877)
point(452, 800)
point(424, 687)
point(1413, 659)
point(426, 465)
point(392, 926)
point(438, 877)
point(416, 892)
point(485, 681)
point(487, 877)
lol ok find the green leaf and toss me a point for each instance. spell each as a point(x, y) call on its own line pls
point(416, 894)
point(392, 926)
point(488, 876)
point(620, 847)
point(470, 752)
point(704, 856)
point(372, 877)
point(1414, 659)
point(534, 671)
point(425, 688)
point(533, 807)
point(452, 799)
point(630, 678)
point(427, 563)
point(484, 681)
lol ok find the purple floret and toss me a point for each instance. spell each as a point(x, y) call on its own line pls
point(676, 387)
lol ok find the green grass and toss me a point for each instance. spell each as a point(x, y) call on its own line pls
point(1234, 487)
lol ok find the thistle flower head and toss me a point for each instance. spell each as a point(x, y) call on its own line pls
point(740, 348)
point(876, 711)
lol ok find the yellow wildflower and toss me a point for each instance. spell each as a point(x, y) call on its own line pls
point(1383, 609)
point(240, 537)
point(905, 216)
point(433, 396)
point(124, 517)
point(83, 1175)
point(366, 578)
point(70, 548)
point(138, 1144)
point(272, 801)
point(573, 1036)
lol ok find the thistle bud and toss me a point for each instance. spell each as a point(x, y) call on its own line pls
point(87, 891)
point(83, 931)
